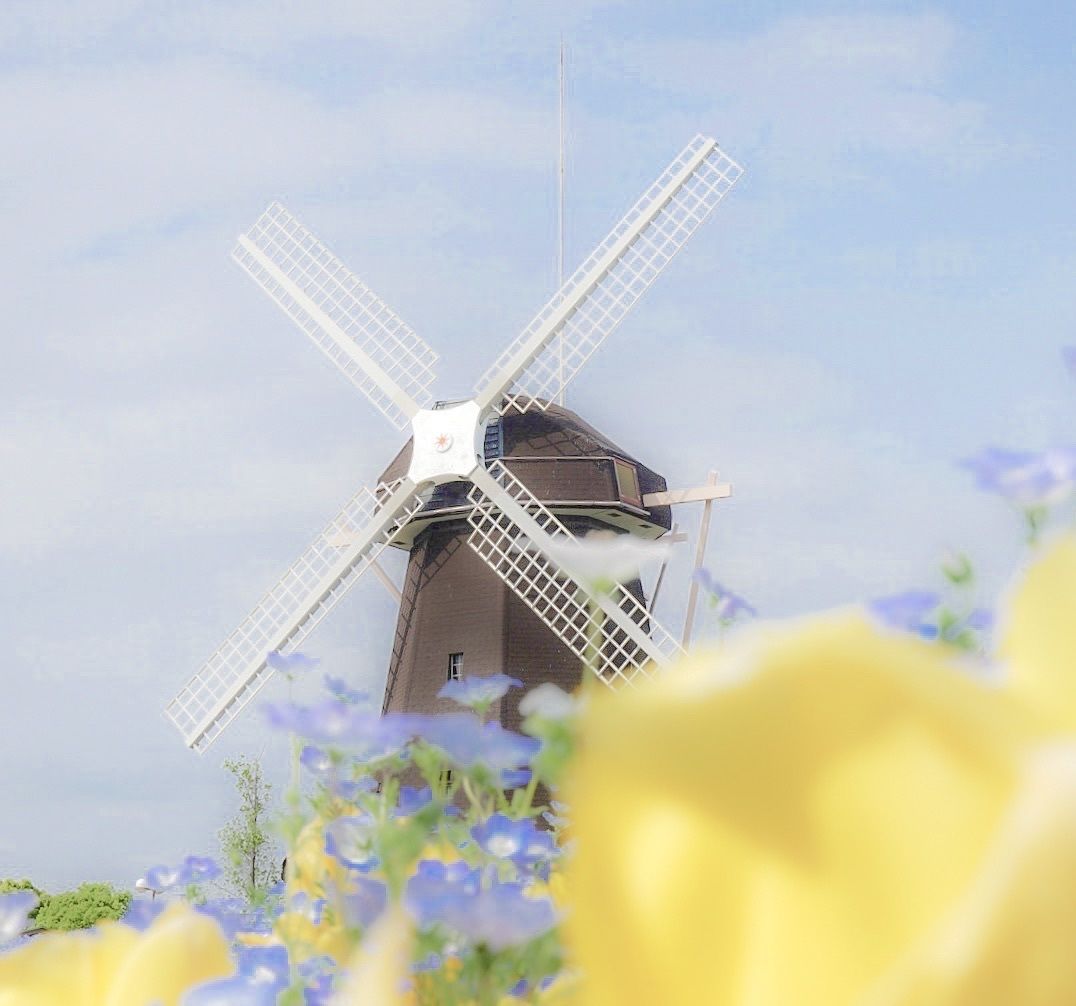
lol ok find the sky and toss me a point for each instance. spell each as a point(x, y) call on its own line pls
point(885, 292)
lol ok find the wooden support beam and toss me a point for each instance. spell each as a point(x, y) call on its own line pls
point(673, 535)
point(342, 539)
point(700, 556)
point(700, 494)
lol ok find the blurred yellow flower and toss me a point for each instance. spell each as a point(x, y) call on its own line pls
point(113, 965)
point(311, 870)
point(827, 814)
point(380, 973)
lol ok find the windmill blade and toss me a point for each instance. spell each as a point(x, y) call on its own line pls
point(554, 346)
point(345, 319)
point(229, 679)
point(515, 535)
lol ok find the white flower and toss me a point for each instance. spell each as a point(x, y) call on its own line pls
point(15, 909)
point(604, 557)
point(549, 702)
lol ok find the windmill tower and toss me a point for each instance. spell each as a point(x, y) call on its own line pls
point(486, 491)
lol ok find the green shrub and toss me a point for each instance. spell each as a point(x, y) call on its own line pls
point(8, 886)
point(83, 907)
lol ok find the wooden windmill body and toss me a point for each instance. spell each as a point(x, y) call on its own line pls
point(456, 616)
point(490, 495)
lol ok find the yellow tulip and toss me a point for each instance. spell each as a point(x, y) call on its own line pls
point(113, 965)
point(828, 814)
point(311, 870)
point(380, 971)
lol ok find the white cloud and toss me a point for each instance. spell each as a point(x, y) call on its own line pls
point(158, 149)
point(820, 98)
point(246, 27)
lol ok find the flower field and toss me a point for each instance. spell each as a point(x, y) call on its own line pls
point(873, 806)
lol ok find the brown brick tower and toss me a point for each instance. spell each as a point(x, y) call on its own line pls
point(456, 616)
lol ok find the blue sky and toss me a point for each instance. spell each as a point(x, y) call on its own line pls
point(886, 291)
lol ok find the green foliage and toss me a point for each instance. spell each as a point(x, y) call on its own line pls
point(83, 907)
point(251, 860)
point(9, 886)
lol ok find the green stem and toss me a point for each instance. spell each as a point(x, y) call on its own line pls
point(593, 649)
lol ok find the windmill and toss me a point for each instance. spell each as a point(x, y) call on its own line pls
point(452, 481)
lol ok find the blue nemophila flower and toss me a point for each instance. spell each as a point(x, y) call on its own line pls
point(479, 691)
point(15, 909)
point(339, 689)
point(292, 664)
point(498, 916)
point(321, 764)
point(140, 913)
point(234, 915)
point(364, 902)
point(331, 722)
point(316, 760)
point(468, 741)
point(262, 974)
point(519, 841)
point(193, 870)
point(303, 904)
point(431, 962)
point(728, 605)
point(515, 778)
point(411, 800)
point(350, 789)
point(319, 973)
point(351, 841)
point(433, 884)
point(1027, 478)
point(368, 736)
point(908, 611)
point(263, 964)
point(522, 987)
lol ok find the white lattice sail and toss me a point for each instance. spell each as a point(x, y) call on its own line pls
point(231, 677)
point(512, 532)
point(377, 351)
point(554, 346)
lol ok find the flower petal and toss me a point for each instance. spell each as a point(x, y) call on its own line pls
point(780, 836)
point(182, 948)
point(380, 968)
point(1039, 639)
point(1009, 938)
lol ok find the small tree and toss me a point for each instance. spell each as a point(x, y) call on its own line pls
point(251, 862)
point(83, 907)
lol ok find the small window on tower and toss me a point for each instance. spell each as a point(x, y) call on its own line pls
point(627, 482)
point(455, 666)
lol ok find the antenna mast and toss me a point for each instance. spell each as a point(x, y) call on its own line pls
point(560, 203)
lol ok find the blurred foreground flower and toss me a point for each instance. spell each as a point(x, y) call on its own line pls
point(1027, 478)
point(15, 912)
point(292, 664)
point(114, 964)
point(829, 815)
point(727, 605)
point(479, 692)
point(603, 559)
point(193, 870)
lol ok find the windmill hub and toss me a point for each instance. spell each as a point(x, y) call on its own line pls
point(447, 443)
